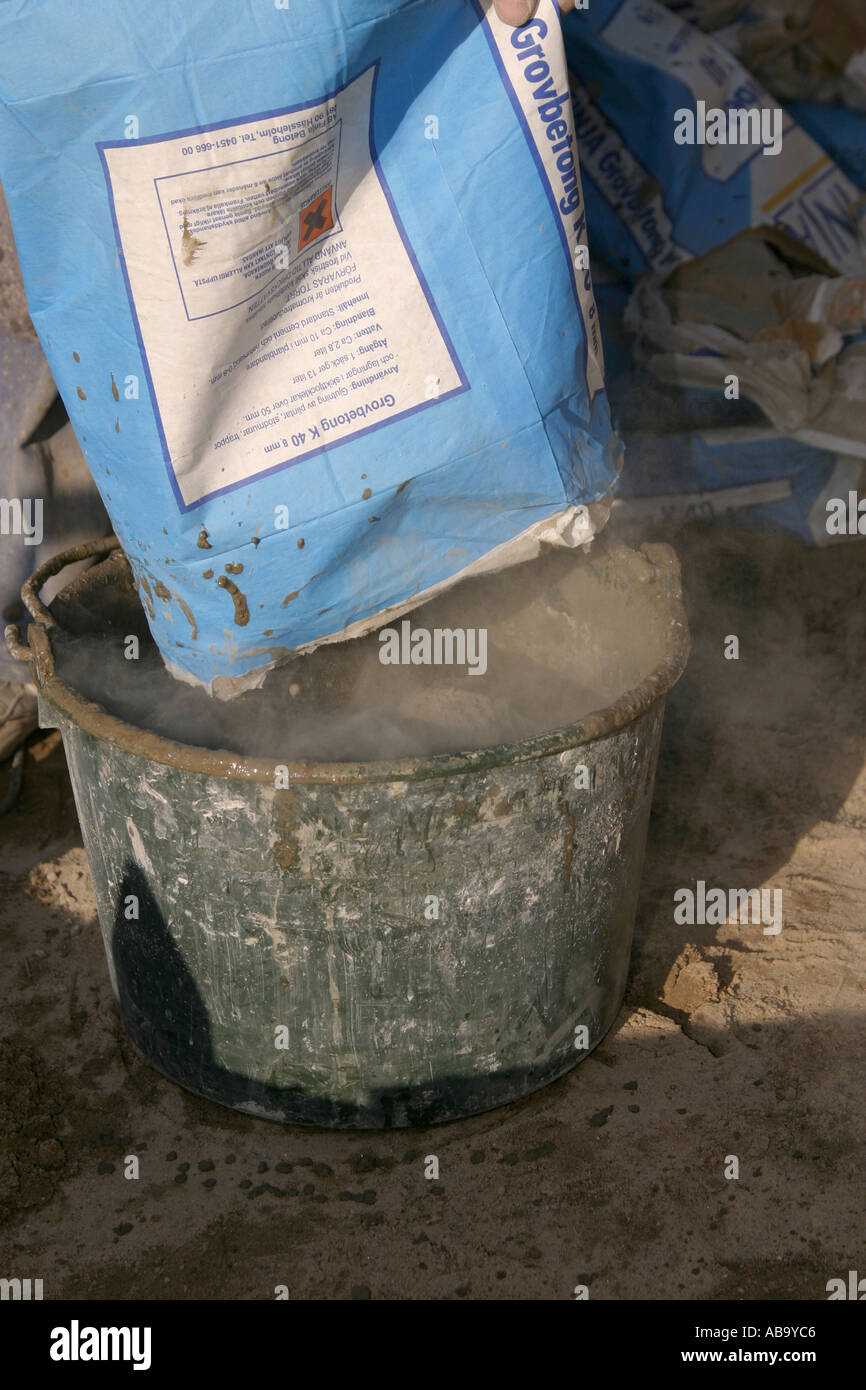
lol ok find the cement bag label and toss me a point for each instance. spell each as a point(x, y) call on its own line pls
point(315, 288)
point(277, 299)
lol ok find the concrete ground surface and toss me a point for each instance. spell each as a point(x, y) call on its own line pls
point(730, 1042)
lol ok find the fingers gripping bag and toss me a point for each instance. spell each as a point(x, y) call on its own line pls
point(312, 280)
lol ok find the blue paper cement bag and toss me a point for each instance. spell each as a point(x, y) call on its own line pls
point(842, 133)
point(310, 283)
point(666, 177)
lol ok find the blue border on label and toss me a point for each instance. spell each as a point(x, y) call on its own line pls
point(103, 145)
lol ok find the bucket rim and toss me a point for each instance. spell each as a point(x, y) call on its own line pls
point(99, 723)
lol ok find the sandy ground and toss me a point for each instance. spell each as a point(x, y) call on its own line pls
point(730, 1041)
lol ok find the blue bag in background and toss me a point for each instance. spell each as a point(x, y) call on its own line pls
point(655, 199)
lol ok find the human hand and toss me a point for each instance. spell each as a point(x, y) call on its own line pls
point(521, 11)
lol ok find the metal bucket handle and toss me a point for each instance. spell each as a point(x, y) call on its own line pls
point(16, 646)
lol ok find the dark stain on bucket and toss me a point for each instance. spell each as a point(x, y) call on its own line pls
point(165, 1015)
point(507, 805)
point(242, 612)
point(285, 825)
point(207, 574)
point(81, 393)
point(114, 391)
point(161, 591)
point(234, 569)
point(203, 542)
point(569, 845)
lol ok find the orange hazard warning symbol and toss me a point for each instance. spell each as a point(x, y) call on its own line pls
point(316, 218)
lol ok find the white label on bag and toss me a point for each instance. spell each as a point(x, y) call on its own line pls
point(279, 306)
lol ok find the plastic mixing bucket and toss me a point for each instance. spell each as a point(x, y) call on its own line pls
point(385, 943)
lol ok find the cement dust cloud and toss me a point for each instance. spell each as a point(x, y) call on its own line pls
point(556, 645)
